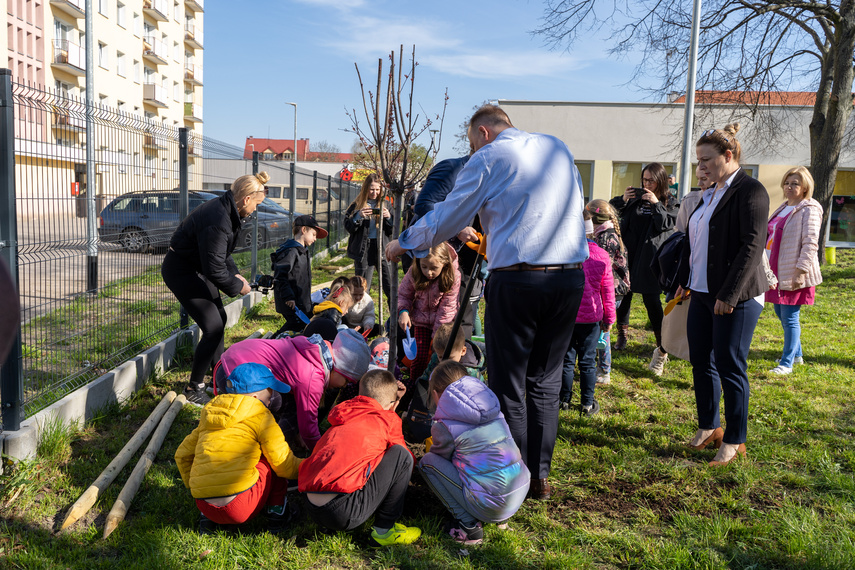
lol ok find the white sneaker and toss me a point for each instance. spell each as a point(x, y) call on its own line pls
point(657, 363)
point(781, 370)
point(603, 377)
point(796, 360)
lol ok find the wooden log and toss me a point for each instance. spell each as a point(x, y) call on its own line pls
point(88, 498)
point(120, 508)
point(257, 334)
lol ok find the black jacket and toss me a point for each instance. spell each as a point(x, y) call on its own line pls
point(642, 235)
point(292, 269)
point(737, 240)
point(206, 239)
point(357, 244)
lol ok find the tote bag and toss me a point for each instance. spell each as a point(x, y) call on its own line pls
point(674, 339)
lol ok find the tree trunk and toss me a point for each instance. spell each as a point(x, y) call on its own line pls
point(828, 125)
point(393, 287)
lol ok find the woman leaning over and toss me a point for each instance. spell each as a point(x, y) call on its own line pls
point(198, 265)
point(792, 241)
point(647, 218)
point(360, 221)
point(722, 266)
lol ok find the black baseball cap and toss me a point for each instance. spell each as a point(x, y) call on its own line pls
point(309, 221)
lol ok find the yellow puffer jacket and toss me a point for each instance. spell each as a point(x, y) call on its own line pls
point(219, 457)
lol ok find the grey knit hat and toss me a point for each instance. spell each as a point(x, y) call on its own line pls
point(350, 355)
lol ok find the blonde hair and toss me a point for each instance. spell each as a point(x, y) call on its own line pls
point(723, 140)
point(342, 297)
point(446, 276)
point(249, 184)
point(380, 385)
point(443, 335)
point(601, 211)
point(805, 180)
point(445, 374)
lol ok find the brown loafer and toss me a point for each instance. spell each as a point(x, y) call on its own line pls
point(714, 439)
point(740, 452)
point(540, 489)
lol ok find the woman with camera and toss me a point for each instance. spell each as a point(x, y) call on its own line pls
point(198, 265)
point(360, 221)
point(647, 218)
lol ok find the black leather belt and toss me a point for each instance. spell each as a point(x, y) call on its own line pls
point(545, 268)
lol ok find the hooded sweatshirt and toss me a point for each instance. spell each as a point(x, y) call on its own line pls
point(292, 268)
point(218, 458)
point(345, 457)
point(471, 432)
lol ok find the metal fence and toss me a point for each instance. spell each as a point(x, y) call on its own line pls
point(87, 255)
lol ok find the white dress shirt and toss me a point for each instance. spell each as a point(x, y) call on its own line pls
point(528, 193)
point(699, 235)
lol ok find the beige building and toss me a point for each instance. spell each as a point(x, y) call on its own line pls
point(148, 61)
point(613, 141)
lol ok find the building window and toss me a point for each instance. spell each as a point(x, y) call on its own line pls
point(176, 12)
point(120, 105)
point(102, 101)
point(136, 71)
point(164, 171)
point(120, 14)
point(175, 173)
point(120, 64)
point(137, 24)
point(586, 172)
point(102, 8)
point(102, 55)
point(137, 166)
point(176, 92)
point(176, 52)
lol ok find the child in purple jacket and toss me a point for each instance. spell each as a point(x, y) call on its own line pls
point(473, 464)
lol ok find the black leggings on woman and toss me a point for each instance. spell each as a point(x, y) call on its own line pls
point(201, 299)
point(653, 304)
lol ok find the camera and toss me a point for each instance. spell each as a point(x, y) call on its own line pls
point(375, 211)
point(263, 283)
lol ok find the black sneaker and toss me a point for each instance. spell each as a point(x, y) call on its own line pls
point(196, 396)
point(591, 410)
point(467, 535)
point(279, 518)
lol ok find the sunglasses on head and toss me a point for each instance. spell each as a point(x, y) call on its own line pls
point(711, 132)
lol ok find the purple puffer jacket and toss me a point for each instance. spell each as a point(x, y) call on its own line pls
point(471, 432)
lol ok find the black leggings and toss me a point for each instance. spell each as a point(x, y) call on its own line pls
point(365, 268)
point(653, 304)
point(201, 299)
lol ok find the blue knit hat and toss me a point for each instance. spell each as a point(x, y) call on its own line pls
point(253, 377)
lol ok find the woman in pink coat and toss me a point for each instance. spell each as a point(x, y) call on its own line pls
point(791, 244)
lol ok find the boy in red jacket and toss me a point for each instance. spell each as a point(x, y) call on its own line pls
point(361, 465)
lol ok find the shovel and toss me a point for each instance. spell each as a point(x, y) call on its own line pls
point(481, 247)
point(301, 315)
point(409, 343)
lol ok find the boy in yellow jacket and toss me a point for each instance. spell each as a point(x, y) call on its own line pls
point(237, 461)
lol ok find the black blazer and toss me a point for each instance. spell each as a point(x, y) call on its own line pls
point(736, 242)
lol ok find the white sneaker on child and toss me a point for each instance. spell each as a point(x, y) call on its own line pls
point(603, 377)
point(657, 363)
point(781, 370)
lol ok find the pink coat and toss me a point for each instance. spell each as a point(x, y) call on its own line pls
point(430, 308)
point(294, 361)
point(598, 298)
point(797, 264)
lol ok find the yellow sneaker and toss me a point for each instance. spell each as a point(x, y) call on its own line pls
point(398, 534)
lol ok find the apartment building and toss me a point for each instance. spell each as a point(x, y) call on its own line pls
point(148, 62)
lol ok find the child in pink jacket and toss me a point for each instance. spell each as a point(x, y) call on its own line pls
point(597, 306)
point(427, 299)
point(309, 366)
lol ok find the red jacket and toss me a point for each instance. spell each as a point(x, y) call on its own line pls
point(346, 455)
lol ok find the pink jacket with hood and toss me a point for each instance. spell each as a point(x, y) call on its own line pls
point(430, 308)
point(598, 298)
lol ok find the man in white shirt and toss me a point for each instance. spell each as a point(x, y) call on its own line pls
point(528, 194)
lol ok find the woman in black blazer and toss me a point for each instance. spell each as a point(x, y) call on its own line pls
point(723, 269)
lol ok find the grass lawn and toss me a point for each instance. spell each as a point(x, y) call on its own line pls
point(629, 493)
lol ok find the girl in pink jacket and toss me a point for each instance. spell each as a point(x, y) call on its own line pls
point(597, 306)
point(428, 298)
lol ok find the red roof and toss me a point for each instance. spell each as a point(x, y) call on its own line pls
point(281, 146)
point(794, 98)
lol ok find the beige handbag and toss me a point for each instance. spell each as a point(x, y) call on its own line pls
point(674, 339)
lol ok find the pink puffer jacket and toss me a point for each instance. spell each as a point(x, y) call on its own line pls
point(798, 266)
point(430, 308)
point(598, 298)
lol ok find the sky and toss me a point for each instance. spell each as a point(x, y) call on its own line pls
point(267, 52)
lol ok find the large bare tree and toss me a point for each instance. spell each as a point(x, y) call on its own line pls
point(388, 133)
point(750, 47)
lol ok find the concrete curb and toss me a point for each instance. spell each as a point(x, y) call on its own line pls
point(117, 385)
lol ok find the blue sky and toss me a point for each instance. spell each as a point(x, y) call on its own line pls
point(267, 52)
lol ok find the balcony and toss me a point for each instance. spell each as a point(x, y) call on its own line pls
point(192, 35)
point(193, 74)
point(196, 5)
point(155, 50)
point(65, 122)
point(153, 142)
point(193, 112)
point(73, 8)
point(156, 9)
point(69, 57)
point(155, 95)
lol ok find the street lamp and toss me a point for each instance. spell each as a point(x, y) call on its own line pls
point(295, 130)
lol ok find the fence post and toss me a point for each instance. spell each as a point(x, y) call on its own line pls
point(254, 254)
point(314, 203)
point(329, 210)
point(12, 373)
point(183, 199)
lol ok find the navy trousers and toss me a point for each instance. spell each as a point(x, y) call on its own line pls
point(529, 323)
point(718, 351)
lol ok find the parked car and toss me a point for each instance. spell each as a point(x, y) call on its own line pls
point(143, 220)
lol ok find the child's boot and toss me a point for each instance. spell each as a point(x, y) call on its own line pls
point(466, 534)
point(278, 517)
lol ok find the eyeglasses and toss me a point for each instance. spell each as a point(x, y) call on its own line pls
point(648, 181)
point(711, 132)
